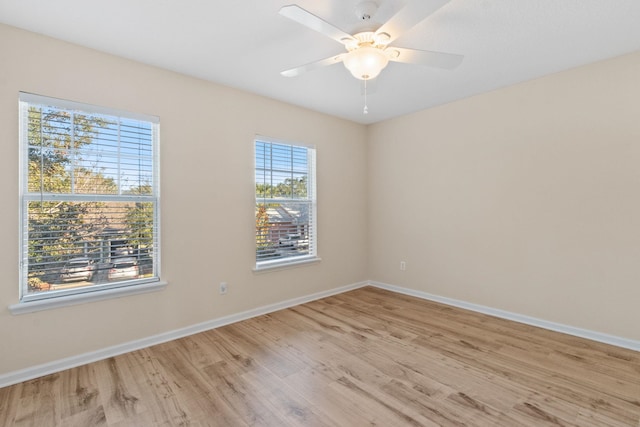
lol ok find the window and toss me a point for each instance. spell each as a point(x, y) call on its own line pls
point(89, 198)
point(285, 203)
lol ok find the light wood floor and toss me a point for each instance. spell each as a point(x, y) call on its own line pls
point(366, 357)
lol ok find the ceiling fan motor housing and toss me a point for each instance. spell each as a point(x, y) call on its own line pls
point(366, 9)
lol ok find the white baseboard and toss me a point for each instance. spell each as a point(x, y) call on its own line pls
point(82, 359)
point(558, 327)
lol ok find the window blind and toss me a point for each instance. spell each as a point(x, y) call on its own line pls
point(89, 190)
point(285, 202)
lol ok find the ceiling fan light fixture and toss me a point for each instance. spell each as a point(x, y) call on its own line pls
point(366, 62)
point(382, 39)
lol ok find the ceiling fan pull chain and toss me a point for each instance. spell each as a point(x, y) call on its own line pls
point(366, 110)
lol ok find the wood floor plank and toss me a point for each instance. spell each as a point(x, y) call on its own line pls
point(365, 357)
point(81, 404)
point(313, 386)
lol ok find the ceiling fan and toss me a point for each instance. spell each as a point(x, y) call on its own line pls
point(369, 52)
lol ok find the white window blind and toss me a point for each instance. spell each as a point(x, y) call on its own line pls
point(89, 198)
point(285, 203)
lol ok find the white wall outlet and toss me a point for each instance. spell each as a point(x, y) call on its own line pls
point(403, 265)
point(223, 288)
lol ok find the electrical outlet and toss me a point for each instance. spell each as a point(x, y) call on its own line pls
point(223, 288)
point(403, 265)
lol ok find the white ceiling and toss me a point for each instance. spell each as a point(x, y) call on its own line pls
point(245, 44)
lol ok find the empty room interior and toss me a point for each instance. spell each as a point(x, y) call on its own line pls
point(341, 213)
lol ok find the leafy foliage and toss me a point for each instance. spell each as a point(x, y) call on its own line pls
point(290, 188)
point(58, 228)
point(262, 226)
point(59, 142)
point(139, 220)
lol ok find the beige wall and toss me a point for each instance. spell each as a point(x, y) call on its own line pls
point(207, 198)
point(526, 199)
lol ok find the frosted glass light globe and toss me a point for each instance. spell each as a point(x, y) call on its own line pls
point(365, 62)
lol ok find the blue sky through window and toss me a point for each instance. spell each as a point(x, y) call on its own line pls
point(276, 163)
point(114, 147)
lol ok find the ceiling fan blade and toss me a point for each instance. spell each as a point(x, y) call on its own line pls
point(429, 58)
point(309, 20)
point(294, 72)
point(410, 15)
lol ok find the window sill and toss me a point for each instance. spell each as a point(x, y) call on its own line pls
point(283, 265)
point(68, 300)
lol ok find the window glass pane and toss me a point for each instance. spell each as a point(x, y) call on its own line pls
point(282, 230)
point(93, 181)
point(47, 171)
point(89, 210)
point(76, 153)
point(82, 244)
point(285, 202)
point(299, 157)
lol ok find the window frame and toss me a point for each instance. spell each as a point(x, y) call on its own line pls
point(311, 200)
point(62, 297)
